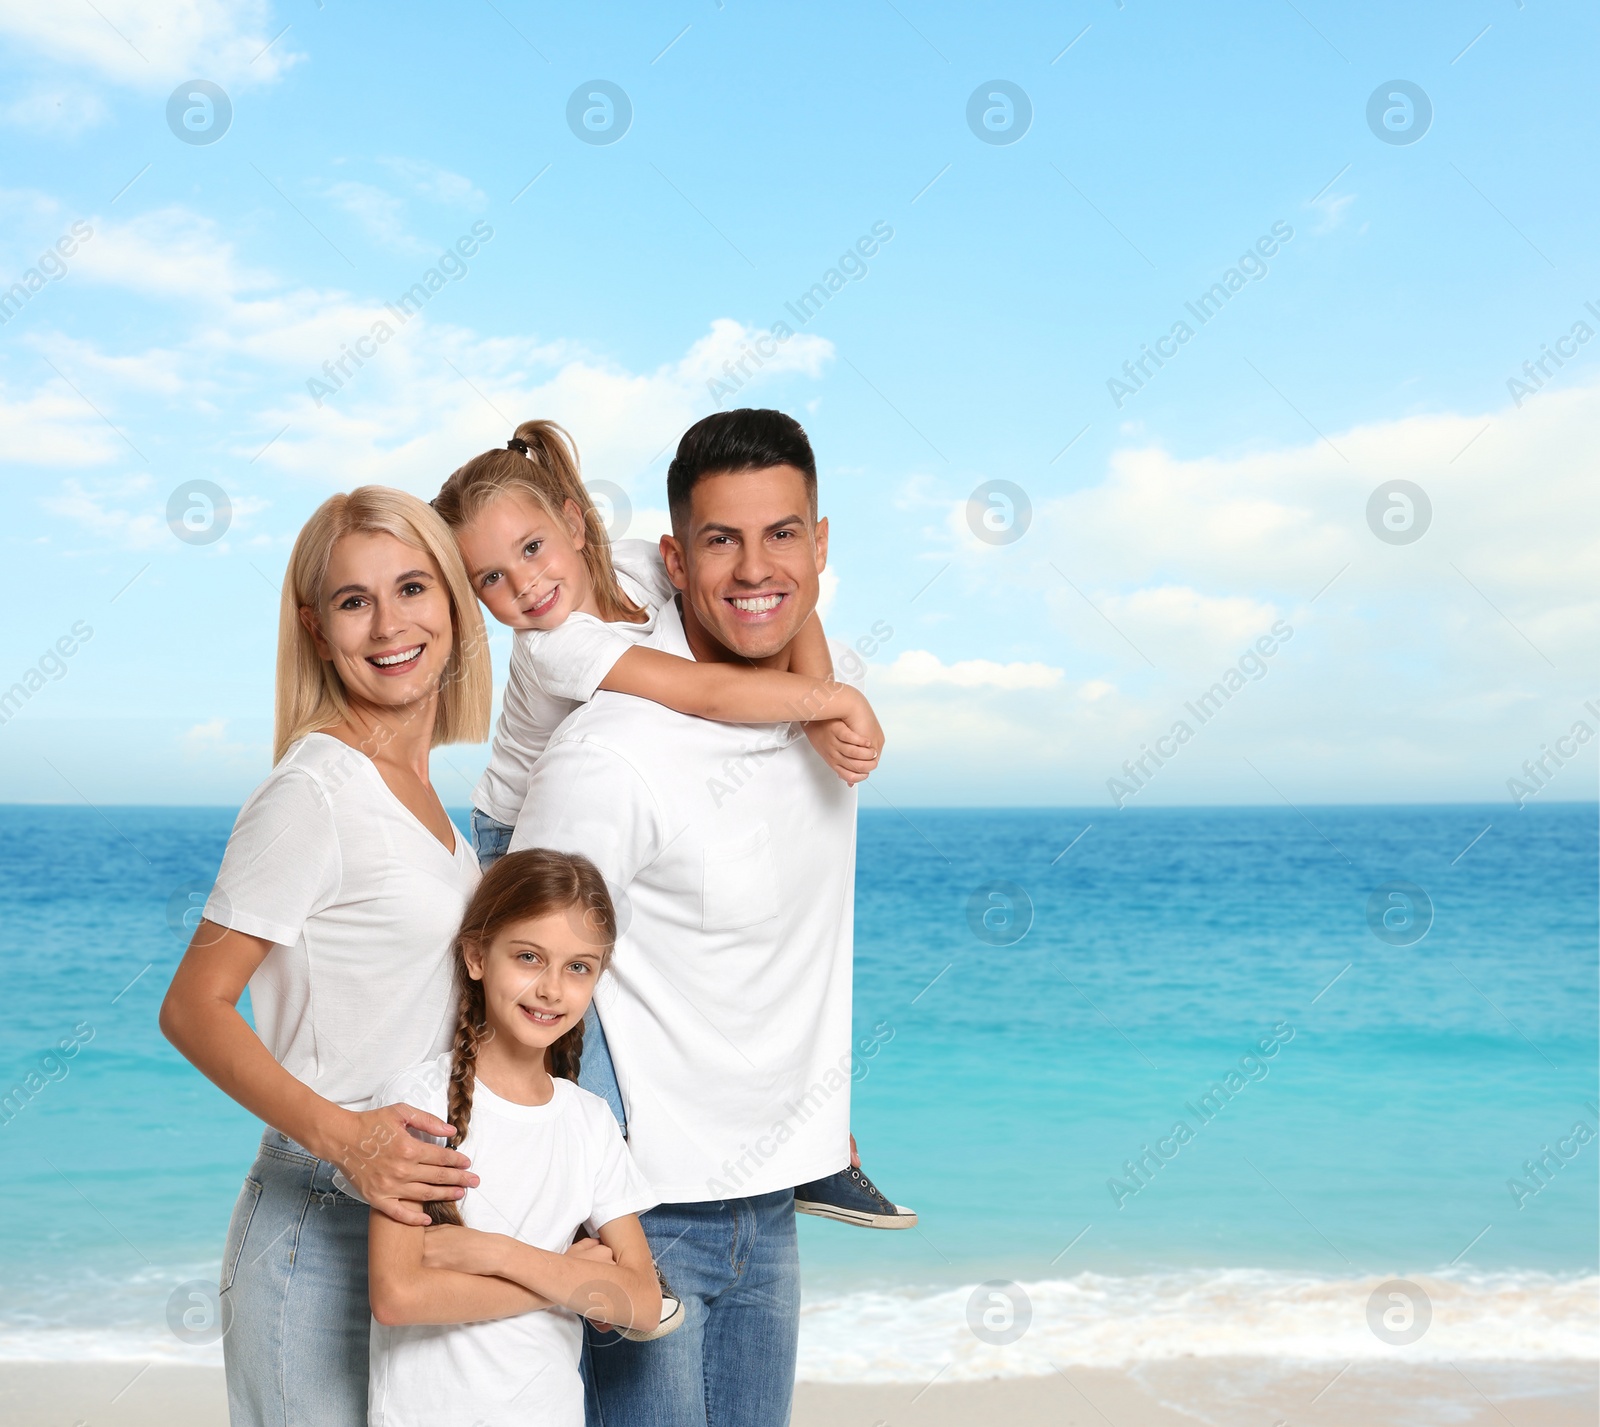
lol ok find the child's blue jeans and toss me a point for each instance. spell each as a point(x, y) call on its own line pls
point(490, 840)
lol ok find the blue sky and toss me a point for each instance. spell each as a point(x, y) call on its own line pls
point(1167, 149)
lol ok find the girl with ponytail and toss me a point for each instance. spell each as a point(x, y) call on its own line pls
point(505, 1268)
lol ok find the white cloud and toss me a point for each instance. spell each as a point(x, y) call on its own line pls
point(438, 184)
point(380, 212)
point(55, 109)
point(918, 668)
point(1330, 209)
point(130, 512)
point(435, 395)
point(431, 396)
point(50, 427)
point(153, 44)
point(1421, 671)
point(209, 742)
point(99, 510)
point(827, 591)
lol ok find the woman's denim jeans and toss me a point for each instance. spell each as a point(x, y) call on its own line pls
point(294, 1287)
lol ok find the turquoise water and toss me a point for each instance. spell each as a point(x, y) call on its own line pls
point(1000, 1086)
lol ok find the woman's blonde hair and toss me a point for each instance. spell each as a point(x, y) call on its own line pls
point(310, 694)
point(540, 462)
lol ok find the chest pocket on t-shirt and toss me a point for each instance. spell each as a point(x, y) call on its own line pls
point(740, 884)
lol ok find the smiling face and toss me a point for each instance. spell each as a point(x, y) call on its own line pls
point(526, 566)
point(382, 620)
point(538, 976)
point(748, 559)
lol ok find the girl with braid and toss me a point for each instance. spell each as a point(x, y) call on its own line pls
point(477, 1317)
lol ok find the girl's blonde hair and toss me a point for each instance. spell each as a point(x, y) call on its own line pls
point(310, 693)
point(540, 462)
point(520, 886)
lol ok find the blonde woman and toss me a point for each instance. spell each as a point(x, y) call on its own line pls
point(337, 903)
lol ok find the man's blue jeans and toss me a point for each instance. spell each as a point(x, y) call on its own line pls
point(735, 1264)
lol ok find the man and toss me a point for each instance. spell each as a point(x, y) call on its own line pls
point(730, 852)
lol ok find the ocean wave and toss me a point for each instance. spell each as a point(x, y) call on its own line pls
point(1095, 1320)
point(1007, 1330)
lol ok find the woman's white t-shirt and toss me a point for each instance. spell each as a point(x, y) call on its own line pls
point(555, 670)
point(361, 904)
point(545, 1171)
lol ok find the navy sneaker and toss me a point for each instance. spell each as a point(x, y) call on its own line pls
point(851, 1198)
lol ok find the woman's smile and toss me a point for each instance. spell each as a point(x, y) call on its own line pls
point(396, 661)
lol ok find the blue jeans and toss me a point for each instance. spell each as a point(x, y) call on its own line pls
point(294, 1274)
point(490, 839)
point(736, 1266)
point(596, 1074)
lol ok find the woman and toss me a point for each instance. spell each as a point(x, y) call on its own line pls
point(339, 896)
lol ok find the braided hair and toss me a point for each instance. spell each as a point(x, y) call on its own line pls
point(520, 886)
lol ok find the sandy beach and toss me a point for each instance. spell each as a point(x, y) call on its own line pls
point(1170, 1394)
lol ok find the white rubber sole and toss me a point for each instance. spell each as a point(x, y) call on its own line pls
point(671, 1321)
point(905, 1219)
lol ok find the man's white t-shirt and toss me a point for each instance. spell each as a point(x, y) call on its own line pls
point(361, 904)
point(555, 670)
point(544, 1170)
point(730, 851)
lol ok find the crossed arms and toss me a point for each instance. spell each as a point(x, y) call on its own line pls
point(448, 1274)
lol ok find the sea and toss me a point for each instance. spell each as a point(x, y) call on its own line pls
point(1312, 1084)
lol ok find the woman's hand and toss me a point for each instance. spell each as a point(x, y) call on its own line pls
point(463, 1250)
point(394, 1171)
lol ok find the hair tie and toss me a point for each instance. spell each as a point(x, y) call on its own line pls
point(516, 443)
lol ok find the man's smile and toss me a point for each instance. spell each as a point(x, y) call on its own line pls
point(759, 604)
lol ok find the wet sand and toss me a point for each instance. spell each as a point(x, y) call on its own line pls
point(1213, 1391)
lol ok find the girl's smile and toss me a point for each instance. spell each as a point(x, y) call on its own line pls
point(544, 605)
point(526, 564)
point(538, 977)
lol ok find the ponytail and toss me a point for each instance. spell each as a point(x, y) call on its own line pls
point(541, 461)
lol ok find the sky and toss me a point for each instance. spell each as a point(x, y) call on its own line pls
point(1124, 321)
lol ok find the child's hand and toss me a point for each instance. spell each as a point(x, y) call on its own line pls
point(596, 1252)
point(591, 1249)
point(852, 743)
point(463, 1250)
point(832, 738)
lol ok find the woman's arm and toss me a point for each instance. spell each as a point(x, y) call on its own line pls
point(618, 1288)
point(393, 1171)
point(405, 1290)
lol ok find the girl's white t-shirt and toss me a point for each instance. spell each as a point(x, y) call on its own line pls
point(545, 1171)
point(555, 670)
point(361, 904)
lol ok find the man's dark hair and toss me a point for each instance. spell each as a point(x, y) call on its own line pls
point(727, 442)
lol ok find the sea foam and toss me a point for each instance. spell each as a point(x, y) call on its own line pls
point(1094, 1320)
